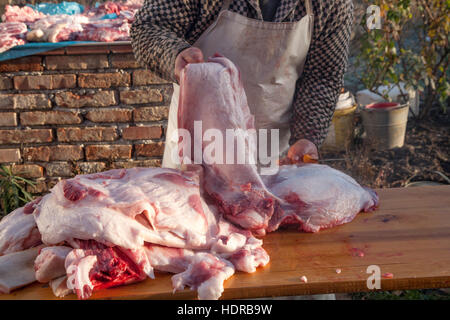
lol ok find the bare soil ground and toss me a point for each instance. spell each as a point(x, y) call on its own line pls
point(424, 157)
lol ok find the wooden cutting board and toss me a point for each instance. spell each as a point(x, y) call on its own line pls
point(408, 237)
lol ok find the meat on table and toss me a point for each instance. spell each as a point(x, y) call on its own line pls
point(116, 227)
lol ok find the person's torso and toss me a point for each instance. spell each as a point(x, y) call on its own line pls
point(285, 11)
point(268, 8)
point(270, 57)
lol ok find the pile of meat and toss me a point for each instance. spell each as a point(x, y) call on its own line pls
point(117, 227)
point(108, 22)
point(12, 34)
point(200, 223)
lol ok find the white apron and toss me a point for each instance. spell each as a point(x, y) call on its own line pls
point(270, 56)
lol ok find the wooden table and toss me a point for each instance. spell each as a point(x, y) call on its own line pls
point(408, 236)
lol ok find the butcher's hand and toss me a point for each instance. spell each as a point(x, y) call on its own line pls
point(303, 151)
point(189, 55)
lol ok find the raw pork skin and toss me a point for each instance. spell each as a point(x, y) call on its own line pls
point(116, 227)
point(213, 93)
point(317, 197)
point(311, 196)
point(123, 224)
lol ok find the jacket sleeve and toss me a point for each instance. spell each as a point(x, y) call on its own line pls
point(158, 33)
point(319, 86)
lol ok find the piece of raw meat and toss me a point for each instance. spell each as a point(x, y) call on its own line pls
point(21, 14)
point(59, 287)
point(18, 231)
point(64, 32)
point(127, 207)
point(17, 269)
point(201, 271)
point(105, 31)
point(110, 219)
point(13, 29)
point(314, 197)
point(7, 43)
point(57, 28)
point(99, 267)
point(231, 176)
point(49, 264)
point(206, 274)
point(118, 8)
point(239, 247)
point(317, 197)
point(92, 269)
point(12, 34)
point(50, 21)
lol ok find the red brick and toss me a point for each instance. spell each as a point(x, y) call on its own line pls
point(37, 154)
point(66, 153)
point(24, 101)
point(99, 152)
point(33, 82)
point(150, 114)
point(76, 62)
point(32, 63)
point(59, 169)
point(31, 101)
point(124, 61)
point(145, 77)
point(139, 133)
point(141, 96)
point(56, 81)
point(73, 100)
point(136, 163)
point(109, 115)
point(103, 80)
point(90, 167)
point(8, 119)
point(49, 117)
point(95, 49)
point(155, 149)
point(6, 101)
point(40, 186)
point(28, 170)
point(5, 83)
point(87, 134)
point(121, 48)
point(53, 153)
point(25, 136)
point(9, 155)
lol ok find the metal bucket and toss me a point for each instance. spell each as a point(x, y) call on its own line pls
point(385, 124)
point(340, 133)
point(342, 127)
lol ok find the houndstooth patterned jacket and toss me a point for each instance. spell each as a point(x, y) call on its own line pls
point(163, 28)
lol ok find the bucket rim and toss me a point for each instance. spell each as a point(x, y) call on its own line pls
point(384, 106)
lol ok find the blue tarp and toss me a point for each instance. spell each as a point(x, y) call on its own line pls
point(36, 47)
point(64, 7)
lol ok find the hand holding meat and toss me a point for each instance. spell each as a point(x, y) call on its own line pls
point(189, 55)
point(303, 151)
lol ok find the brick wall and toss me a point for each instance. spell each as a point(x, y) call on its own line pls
point(80, 110)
